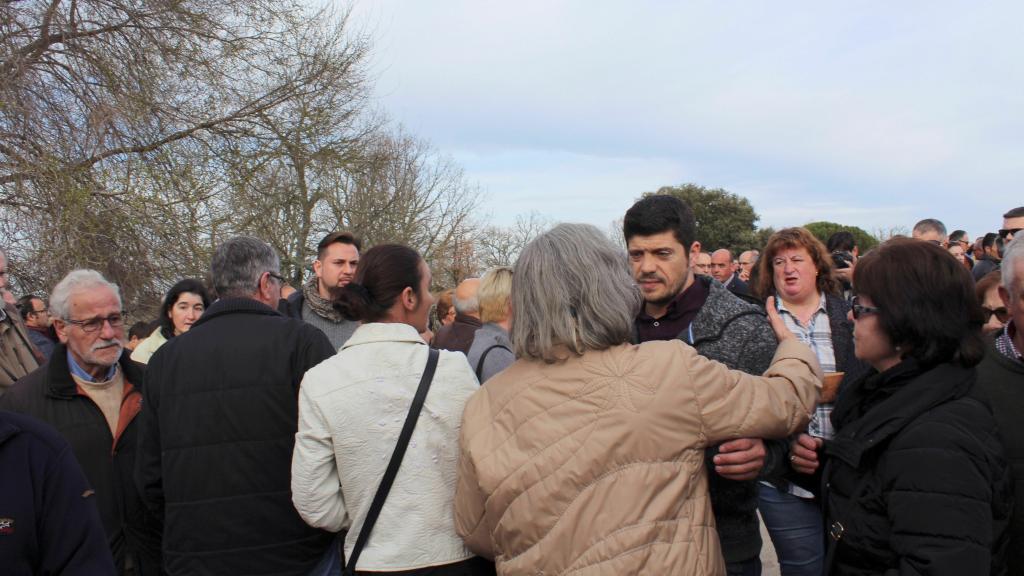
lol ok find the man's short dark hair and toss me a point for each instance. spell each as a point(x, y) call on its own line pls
point(957, 236)
point(340, 237)
point(139, 330)
point(25, 307)
point(989, 240)
point(660, 213)
point(1017, 212)
point(842, 241)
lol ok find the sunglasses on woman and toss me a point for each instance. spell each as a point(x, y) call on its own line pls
point(859, 310)
point(1001, 313)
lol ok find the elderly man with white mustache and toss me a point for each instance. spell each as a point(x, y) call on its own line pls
point(90, 391)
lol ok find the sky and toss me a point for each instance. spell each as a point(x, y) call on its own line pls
point(874, 114)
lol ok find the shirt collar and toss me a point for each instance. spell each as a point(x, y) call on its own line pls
point(781, 306)
point(1009, 331)
point(80, 372)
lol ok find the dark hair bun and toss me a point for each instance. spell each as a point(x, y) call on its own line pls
point(384, 272)
point(355, 302)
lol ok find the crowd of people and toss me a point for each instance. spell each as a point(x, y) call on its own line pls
point(585, 411)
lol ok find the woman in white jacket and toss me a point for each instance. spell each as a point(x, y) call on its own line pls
point(351, 410)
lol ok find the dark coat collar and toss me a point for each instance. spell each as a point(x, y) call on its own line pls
point(893, 400)
point(60, 384)
point(467, 319)
point(227, 306)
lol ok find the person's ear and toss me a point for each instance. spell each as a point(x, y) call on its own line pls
point(61, 328)
point(694, 248)
point(409, 299)
point(266, 287)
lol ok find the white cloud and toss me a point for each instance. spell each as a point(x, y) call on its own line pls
point(863, 112)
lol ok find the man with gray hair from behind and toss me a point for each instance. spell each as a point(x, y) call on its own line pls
point(458, 336)
point(999, 384)
point(222, 403)
point(91, 392)
point(930, 230)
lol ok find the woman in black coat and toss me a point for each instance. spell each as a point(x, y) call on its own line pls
point(915, 478)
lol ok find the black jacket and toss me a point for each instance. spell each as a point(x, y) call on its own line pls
point(216, 437)
point(916, 479)
point(46, 525)
point(1001, 386)
point(292, 305)
point(51, 395)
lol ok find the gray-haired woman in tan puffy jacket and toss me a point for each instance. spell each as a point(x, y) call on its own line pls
point(586, 455)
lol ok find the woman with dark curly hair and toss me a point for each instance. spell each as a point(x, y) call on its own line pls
point(798, 270)
point(915, 474)
point(184, 303)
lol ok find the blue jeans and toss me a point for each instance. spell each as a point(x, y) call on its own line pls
point(330, 564)
point(797, 529)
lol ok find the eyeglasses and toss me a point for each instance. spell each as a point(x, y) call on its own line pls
point(94, 324)
point(859, 310)
point(277, 277)
point(1001, 313)
point(1004, 232)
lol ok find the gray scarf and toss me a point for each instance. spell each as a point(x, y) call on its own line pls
point(321, 306)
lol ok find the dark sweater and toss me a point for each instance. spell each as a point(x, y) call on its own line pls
point(1001, 386)
point(49, 522)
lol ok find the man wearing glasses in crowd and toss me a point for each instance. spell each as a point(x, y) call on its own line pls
point(17, 357)
point(90, 391)
point(1013, 223)
point(218, 426)
point(37, 321)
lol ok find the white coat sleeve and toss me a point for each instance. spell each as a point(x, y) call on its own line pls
point(316, 486)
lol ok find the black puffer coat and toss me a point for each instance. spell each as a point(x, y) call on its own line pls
point(916, 482)
point(216, 434)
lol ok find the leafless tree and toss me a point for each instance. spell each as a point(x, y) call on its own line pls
point(115, 116)
point(501, 245)
point(403, 191)
point(137, 134)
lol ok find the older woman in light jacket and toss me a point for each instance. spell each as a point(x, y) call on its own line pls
point(586, 455)
point(351, 410)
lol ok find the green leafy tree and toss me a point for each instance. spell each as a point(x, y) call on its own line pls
point(822, 231)
point(724, 219)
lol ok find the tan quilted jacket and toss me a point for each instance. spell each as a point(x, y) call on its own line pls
point(594, 466)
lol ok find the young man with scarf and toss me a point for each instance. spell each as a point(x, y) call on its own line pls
point(337, 256)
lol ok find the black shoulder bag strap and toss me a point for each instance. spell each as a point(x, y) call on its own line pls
point(396, 461)
point(480, 362)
